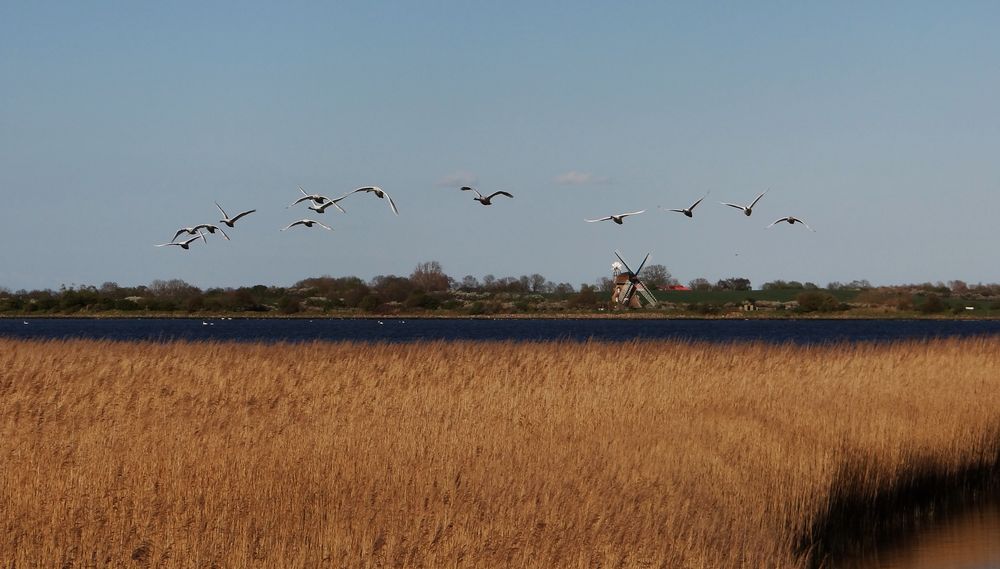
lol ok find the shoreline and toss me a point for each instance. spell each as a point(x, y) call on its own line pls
point(857, 524)
point(502, 316)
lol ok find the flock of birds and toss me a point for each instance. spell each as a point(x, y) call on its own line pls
point(317, 203)
point(689, 212)
point(320, 203)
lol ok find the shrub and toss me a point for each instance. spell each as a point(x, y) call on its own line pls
point(814, 301)
point(369, 303)
point(933, 304)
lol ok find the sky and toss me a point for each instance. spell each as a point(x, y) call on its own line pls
point(876, 123)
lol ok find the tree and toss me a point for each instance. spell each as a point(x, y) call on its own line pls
point(700, 284)
point(430, 277)
point(586, 298)
point(657, 277)
point(537, 283)
point(563, 289)
point(174, 288)
point(933, 304)
point(815, 301)
point(733, 283)
point(958, 287)
point(392, 288)
point(469, 283)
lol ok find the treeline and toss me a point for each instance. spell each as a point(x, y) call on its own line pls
point(429, 288)
point(426, 288)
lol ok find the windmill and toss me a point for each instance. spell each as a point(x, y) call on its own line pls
point(627, 284)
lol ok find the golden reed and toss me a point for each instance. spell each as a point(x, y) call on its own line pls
point(639, 454)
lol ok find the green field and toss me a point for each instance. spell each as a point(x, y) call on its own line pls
point(738, 296)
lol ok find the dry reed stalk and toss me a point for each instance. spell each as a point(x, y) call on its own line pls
point(639, 454)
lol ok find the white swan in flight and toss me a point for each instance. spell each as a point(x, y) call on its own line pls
point(212, 229)
point(231, 221)
point(486, 200)
point(791, 221)
point(689, 211)
point(183, 244)
point(307, 223)
point(189, 231)
point(322, 208)
point(617, 218)
point(315, 198)
point(379, 193)
point(747, 209)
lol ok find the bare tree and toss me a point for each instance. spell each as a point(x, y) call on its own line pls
point(657, 276)
point(430, 277)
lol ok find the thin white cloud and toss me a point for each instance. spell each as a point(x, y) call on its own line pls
point(578, 178)
point(458, 179)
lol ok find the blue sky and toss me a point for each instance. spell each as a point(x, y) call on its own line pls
point(877, 124)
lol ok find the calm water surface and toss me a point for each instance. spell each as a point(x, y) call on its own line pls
point(969, 541)
point(402, 330)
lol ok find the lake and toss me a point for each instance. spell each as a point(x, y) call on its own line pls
point(408, 330)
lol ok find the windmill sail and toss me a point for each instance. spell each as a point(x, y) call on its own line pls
point(635, 284)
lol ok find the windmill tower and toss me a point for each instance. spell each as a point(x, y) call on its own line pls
point(629, 290)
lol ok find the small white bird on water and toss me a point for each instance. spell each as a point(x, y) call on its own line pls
point(379, 193)
point(486, 200)
point(183, 244)
point(747, 209)
point(791, 221)
point(307, 223)
point(617, 218)
point(231, 221)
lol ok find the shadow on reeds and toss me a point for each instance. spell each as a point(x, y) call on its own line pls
point(859, 523)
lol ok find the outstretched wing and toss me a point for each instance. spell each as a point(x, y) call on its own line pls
point(758, 199)
point(224, 214)
point(632, 213)
point(601, 219)
point(235, 219)
point(468, 189)
point(323, 226)
point(732, 205)
point(500, 193)
point(777, 221)
point(300, 200)
point(293, 224)
point(392, 204)
point(698, 202)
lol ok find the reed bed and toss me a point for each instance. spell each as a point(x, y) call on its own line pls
point(641, 454)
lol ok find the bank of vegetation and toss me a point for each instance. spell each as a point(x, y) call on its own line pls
point(428, 290)
point(642, 454)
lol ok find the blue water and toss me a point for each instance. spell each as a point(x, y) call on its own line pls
point(405, 330)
